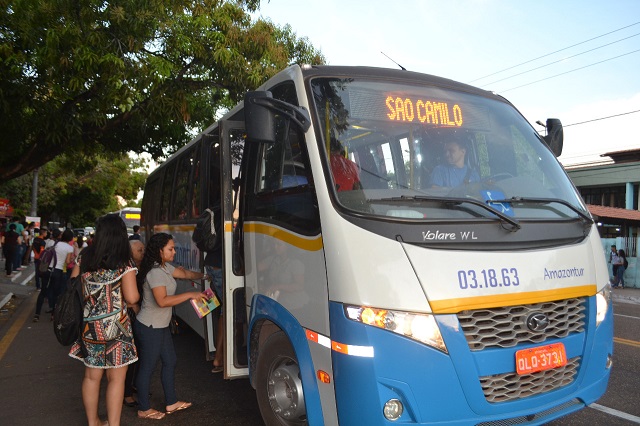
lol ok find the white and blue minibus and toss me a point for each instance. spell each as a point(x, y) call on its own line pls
point(399, 248)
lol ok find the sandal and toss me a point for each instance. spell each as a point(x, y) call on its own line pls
point(133, 403)
point(151, 414)
point(181, 406)
point(217, 369)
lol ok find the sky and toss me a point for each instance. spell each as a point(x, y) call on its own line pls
point(576, 60)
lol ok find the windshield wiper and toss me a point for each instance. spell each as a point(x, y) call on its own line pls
point(446, 200)
point(525, 200)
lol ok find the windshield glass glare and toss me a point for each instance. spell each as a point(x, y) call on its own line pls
point(395, 150)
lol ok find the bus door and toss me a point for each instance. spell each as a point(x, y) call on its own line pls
point(235, 348)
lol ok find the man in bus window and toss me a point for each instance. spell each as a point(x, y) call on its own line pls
point(456, 172)
point(345, 172)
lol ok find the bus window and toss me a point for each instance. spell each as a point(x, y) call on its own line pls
point(196, 182)
point(181, 186)
point(167, 186)
point(283, 192)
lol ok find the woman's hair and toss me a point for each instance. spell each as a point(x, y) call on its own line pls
point(110, 248)
point(67, 236)
point(621, 253)
point(152, 256)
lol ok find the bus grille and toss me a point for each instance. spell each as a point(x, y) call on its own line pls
point(506, 327)
point(572, 405)
point(510, 386)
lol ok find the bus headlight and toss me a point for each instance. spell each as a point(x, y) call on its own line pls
point(603, 300)
point(420, 327)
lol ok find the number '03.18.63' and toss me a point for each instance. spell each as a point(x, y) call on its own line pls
point(488, 278)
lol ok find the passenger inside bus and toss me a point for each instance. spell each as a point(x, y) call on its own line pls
point(456, 171)
point(345, 172)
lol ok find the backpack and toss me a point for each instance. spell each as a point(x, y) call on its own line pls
point(205, 235)
point(626, 264)
point(37, 246)
point(68, 315)
point(47, 256)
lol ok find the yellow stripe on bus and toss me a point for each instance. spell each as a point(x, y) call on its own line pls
point(309, 244)
point(451, 306)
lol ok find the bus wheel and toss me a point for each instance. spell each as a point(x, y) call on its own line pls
point(279, 385)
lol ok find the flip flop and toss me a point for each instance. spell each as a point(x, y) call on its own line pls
point(217, 369)
point(151, 414)
point(182, 406)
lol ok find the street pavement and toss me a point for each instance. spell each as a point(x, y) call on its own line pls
point(40, 384)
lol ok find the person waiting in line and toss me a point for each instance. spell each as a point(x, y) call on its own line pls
point(137, 253)
point(46, 279)
point(27, 240)
point(346, 176)
point(17, 252)
point(10, 243)
point(213, 268)
point(456, 172)
point(107, 342)
point(157, 277)
point(38, 245)
point(59, 275)
point(136, 233)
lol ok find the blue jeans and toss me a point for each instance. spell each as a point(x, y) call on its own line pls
point(36, 263)
point(216, 280)
point(155, 344)
point(620, 275)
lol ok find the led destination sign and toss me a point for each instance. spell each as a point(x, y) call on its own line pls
point(429, 112)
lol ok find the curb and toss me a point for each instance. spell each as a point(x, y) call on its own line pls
point(5, 300)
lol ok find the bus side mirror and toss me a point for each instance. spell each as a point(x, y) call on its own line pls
point(259, 120)
point(555, 136)
point(261, 110)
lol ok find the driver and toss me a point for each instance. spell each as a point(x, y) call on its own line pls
point(456, 172)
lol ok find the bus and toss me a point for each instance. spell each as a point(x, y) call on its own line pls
point(398, 247)
point(131, 217)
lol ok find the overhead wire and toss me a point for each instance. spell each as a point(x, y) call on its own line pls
point(602, 118)
point(570, 71)
point(552, 53)
point(561, 60)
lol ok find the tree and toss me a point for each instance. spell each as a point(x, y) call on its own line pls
point(77, 189)
point(92, 75)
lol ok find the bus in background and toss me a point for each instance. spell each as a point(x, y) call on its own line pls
point(131, 217)
point(398, 247)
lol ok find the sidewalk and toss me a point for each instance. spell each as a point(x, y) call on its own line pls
point(626, 295)
point(14, 290)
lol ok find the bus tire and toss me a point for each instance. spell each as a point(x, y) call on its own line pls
point(279, 383)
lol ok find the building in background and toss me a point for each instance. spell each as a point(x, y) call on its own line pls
point(610, 189)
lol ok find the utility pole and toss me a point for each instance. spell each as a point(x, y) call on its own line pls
point(34, 194)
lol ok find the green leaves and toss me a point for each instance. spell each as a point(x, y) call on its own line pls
point(133, 75)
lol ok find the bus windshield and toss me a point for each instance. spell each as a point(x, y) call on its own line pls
point(417, 152)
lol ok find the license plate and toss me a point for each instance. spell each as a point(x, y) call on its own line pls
point(541, 358)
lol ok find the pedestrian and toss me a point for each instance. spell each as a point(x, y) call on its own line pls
point(27, 240)
point(622, 266)
point(37, 246)
point(137, 253)
point(10, 243)
point(612, 255)
point(59, 276)
point(107, 343)
point(46, 280)
point(136, 233)
point(213, 268)
point(157, 277)
point(17, 255)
